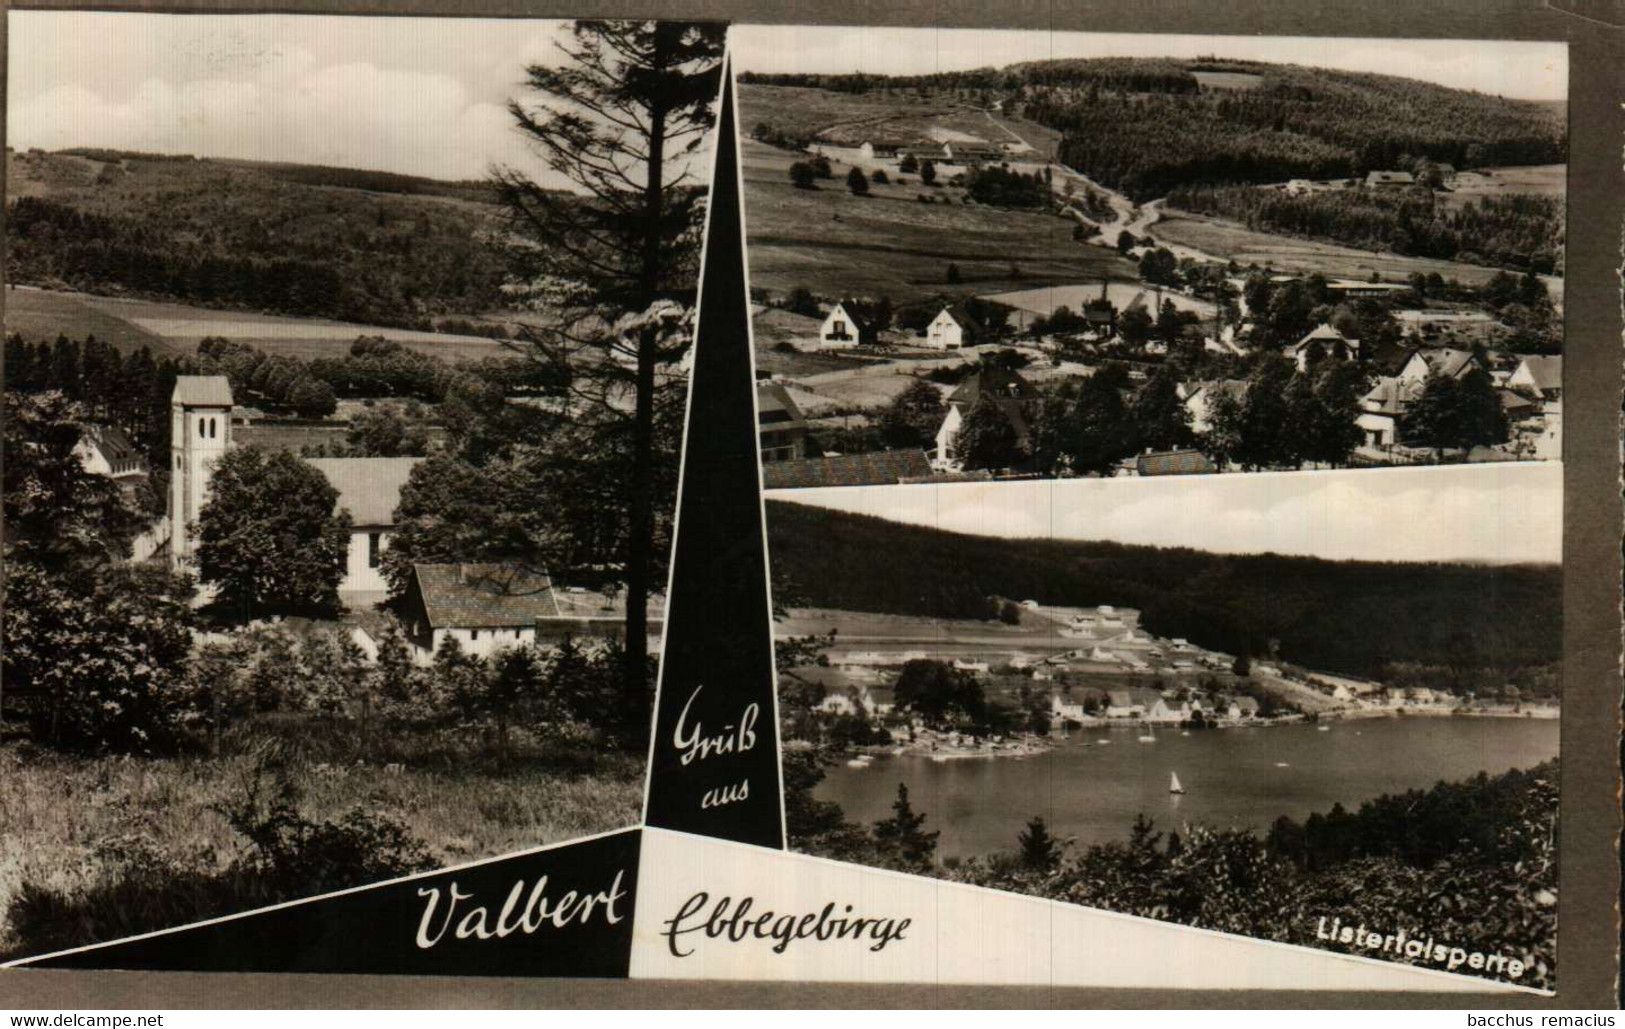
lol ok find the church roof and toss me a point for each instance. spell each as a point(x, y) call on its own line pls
point(202, 391)
point(369, 487)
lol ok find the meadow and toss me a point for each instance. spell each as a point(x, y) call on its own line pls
point(176, 329)
point(890, 243)
point(1232, 241)
point(80, 830)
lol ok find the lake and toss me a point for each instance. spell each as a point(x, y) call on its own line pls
point(1231, 777)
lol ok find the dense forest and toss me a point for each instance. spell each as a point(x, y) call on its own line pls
point(1515, 230)
point(1146, 125)
point(357, 246)
point(1453, 626)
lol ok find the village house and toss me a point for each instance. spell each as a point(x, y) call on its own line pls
point(108, 451)
point(1241, 709)
point(484, 607)
point(1538, 376)
point(1445, 362)
point(881, 149)
point(1356, 289)
point(780, 427)
point(1323, 341)
point(844, 328)
point(1015, 398)
point(1383, 406)
point(1066, 709)
point(1199, 398)
point(945, 331)
point(1136, 702)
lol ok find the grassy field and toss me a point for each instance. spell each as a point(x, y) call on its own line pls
point(73, 824)
point(1545, 179)
point(177, 328)
point(891, 244)
point(1233, 241)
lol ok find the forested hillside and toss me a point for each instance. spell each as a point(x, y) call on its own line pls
point(1450, 625)
point(1146, 125)
point(1514, 230)
point(359, 246)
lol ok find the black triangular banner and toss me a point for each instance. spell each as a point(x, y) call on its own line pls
point(562, 911)
point(714, 760)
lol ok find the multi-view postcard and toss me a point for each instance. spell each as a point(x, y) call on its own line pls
point(684, 501)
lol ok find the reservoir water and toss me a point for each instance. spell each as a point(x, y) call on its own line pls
point(1232, 777)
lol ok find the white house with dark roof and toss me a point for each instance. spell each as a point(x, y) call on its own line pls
point(945, 331)
point(1445, 362)
point(107, 450)
point(843, 328)
point(1538, 376)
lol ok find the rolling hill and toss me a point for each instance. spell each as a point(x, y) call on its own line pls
point(1145, 125)
point(1452, 625)
point(356, 246)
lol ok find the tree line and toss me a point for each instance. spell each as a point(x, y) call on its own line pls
point(1474, 627)
point(1515, 230)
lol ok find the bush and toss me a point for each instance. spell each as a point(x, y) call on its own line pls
point(803, 174)
point(879, 177)
point(857, 182)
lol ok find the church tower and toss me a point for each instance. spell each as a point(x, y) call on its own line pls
point(200, 431)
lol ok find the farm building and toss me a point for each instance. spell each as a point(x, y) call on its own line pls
point(484, 607)
point(1389, 180)
point(971, 152)
point(844, 327)
point(780, 427)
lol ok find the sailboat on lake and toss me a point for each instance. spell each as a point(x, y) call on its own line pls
point(1173, 783)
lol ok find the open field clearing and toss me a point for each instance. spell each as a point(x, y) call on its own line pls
point(177, 328)
point(1545, 179)
point(1046, 299)
point(41, 315)
point(1228, 240)
point(891, 244)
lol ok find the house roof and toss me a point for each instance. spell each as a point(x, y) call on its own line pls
point(1214, 387)
point(774, 406)
point(1173, 462)
point(113, 443)
point(881, 468)
point(993, 381)
point(202, 391)
point(1322, 333)
point(1547, 372)
point(1514, 401)
point(854, 311)
point(481, 596)
point(1391, 396)
point(369, 487)
point(1446, 361)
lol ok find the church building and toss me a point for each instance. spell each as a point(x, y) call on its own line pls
point(368, 487)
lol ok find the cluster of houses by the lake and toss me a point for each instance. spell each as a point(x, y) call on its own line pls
point(1097, 667)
